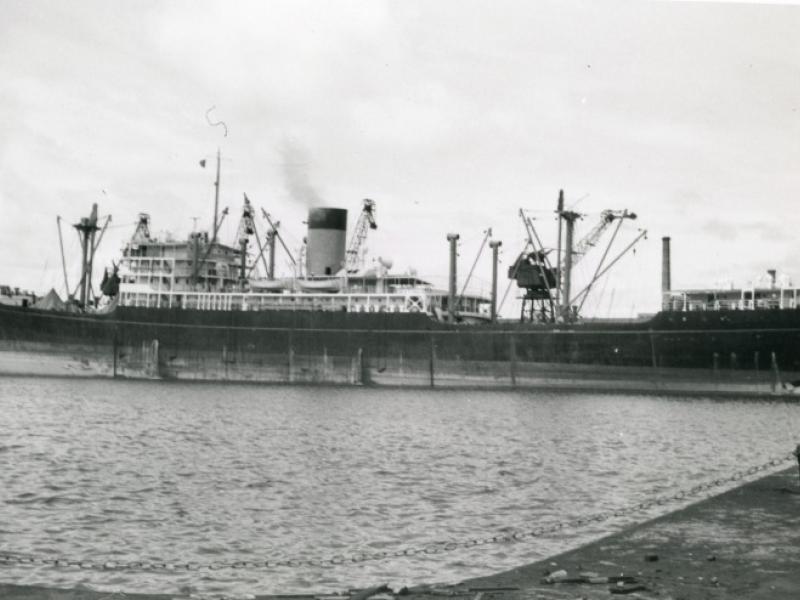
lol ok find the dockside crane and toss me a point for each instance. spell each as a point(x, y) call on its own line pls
point(366, 221)
point(548, 287)
point(533, 272)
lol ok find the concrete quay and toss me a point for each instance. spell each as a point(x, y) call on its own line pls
point(742, 544)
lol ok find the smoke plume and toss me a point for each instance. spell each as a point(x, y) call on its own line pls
point(296, 177)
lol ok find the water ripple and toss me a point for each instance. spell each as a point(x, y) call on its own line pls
point(144, 471)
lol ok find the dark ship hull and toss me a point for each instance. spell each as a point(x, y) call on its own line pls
point(754, 351)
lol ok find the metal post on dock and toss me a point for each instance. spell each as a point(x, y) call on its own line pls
point(776, 374)
point(653, 357)
point(114, 349)
point(512, 351)
point(291, 357)
point(432, 360)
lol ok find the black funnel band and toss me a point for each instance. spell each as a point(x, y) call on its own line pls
point(327, 218)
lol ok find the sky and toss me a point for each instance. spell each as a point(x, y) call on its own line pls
point(451, 115)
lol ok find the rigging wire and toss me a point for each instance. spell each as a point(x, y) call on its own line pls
point(637, 265)
point(118, 225)
point(600, 297)
point(525, 249)
point(578, 201)
point(486, 236)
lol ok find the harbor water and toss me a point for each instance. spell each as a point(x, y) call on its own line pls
point(205, 473)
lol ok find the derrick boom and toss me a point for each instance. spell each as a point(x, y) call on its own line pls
point(607, 217)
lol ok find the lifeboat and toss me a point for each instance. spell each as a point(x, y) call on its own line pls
point(268, 285)
point(320, 286)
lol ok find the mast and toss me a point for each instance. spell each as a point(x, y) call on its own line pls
point(494, 245)
point(666, 276)
point(216, 199)
point(86, 228)
point(451, 298)
point(271, 244)
point(565, 270)
point(569, 217)
point(559, 211)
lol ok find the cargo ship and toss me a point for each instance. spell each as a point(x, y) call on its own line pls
point(199, 309)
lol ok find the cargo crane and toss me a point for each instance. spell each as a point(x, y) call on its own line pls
point(589, 241)
point(533, 272)
point(366, 221)
point(247, 229)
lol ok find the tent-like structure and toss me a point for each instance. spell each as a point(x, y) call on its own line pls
point(51, 301)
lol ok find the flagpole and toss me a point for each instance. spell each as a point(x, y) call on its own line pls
point(216, 202)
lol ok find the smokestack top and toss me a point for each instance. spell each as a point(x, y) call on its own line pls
point(327, 218)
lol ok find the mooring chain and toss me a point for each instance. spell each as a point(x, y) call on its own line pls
point(7, 558)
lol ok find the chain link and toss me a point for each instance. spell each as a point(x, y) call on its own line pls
point(12, 558)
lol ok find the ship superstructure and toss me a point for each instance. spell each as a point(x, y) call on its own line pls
point(752, 297)
point(201, 273)
point(773, 295)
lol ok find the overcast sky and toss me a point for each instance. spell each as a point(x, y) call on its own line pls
point(450, 115)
